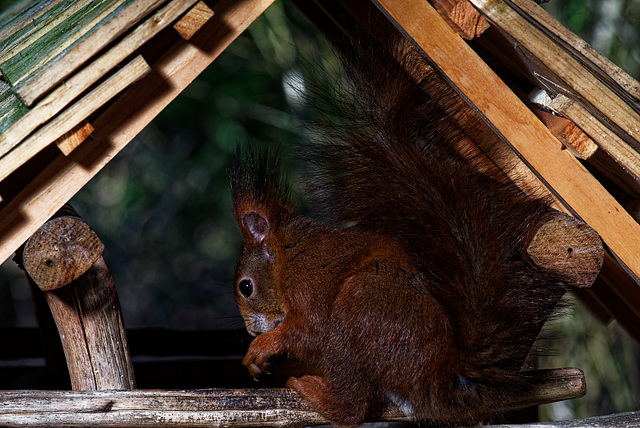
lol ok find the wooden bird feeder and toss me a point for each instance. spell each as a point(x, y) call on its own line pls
point(104, 69)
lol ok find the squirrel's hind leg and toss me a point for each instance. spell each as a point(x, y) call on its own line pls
point(341, 409)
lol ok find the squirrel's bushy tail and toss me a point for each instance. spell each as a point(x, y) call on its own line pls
point(393, 163)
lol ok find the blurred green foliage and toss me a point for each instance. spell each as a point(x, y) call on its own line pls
point(163, 207)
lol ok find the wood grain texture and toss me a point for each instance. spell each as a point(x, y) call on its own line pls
point(570, 246)
point(573, 138)
point(89, 321)
point(63, 249)
point(519, 127)
point(73, 115)
point(468, 20)
point(80, 81)
point(215, 407)
point(72, 139)
point(189, 24)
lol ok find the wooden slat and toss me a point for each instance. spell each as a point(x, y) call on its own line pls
point(519, 127)
point(617, 149)
point(60, 62)
point(572, 76)
point(55, 101)
point(11, 108)
point(72, 116)
point(624, 85)
point(123, 120)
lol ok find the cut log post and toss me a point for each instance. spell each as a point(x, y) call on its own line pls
point(570, 246)
point(217, 407)
point(64, 259)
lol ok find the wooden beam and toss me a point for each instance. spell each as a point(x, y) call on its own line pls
point(214, 407)
point(518, 126)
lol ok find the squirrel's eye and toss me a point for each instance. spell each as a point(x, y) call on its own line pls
point(246, 288)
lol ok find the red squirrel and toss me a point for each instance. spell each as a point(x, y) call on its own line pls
point(417, 290)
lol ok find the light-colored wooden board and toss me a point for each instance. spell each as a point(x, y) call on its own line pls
point(79, 82)
point(60, 63)
point(72, 116)
point(519, 127)
point(121, 122)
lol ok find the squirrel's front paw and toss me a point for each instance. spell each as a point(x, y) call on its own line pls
point(258, 354)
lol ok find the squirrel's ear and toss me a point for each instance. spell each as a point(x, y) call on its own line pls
point(255, 226)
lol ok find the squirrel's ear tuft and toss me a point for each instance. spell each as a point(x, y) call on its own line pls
point(255, 226)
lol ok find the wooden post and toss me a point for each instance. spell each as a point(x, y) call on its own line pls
point(64, 259)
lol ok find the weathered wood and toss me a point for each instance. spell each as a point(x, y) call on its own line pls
point(614, 146)
point(63, 249)
point(11, 108)
point(87, 314)
point(189, 24)
point(462, 17)
point(216, 407)
point(563, 73)
point(72, 139)
point(80, 81)
point(573, 138)
point(73, 115)
point(519, 127)
point(56, 57)
point(570, 246)
point(120, 122)
point(625, 86)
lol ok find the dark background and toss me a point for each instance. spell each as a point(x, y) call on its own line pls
point(163, 209)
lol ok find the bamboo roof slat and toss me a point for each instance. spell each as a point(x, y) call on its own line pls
point(73, 115)
point(76, 84)
point(69, 43)
point(11, 108)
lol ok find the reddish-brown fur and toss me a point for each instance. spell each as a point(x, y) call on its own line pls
point(428, 299)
